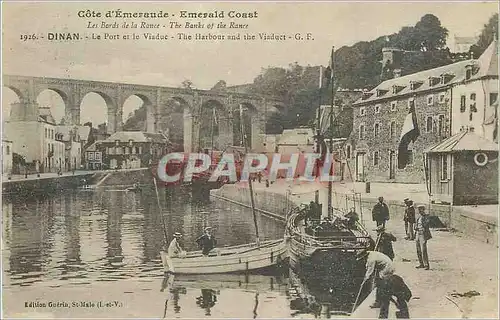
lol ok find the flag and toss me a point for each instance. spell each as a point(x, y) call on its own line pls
point(215, 117)
point(409, 133)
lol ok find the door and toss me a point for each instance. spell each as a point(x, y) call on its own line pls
point(392, 165)
point(360, 166)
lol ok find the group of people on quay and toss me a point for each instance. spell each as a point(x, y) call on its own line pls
point(317, 227)
point(379, 262)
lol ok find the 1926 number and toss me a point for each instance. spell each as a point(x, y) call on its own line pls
point(26, 37)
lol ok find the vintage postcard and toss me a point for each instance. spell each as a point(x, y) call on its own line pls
point(249, 160)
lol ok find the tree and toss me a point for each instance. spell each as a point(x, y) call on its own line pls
point(187, 84)
point(489, 32)
point(429, 32)
point(88, 124)
point(220, 85)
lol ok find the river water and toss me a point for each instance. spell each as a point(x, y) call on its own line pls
point(95, 254)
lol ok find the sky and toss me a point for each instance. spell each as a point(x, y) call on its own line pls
point(170, 62)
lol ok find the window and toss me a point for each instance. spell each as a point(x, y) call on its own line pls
point(445, 167)
point(348, 151)
point(133, 149)
point(98, 156)
point(428, 124)
point(411, 103)
point(91, 155)
point(468, 73)
point(362, 111)
point(376, 129)
point(7, 150)
point(493, 97)
point(462, 103)
point(393, 105)
point(441, 98)
point(473, 102)
point(441, 125)
point(137, 150)
point(393, 129)
point(46, 133)
point(117, 142)
point(430, 100)
point(126, 150)
point(362, 131)
point(118, 150)
point(377, 108)
point(375, 158)
point(130, 142)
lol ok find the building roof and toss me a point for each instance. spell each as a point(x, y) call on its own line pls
point(136, 136)
point(83, 131)
point(298, 136)
point(466, 40)
point(465, 140)
point(44, 115)
point(486, 65)
point(93, 146)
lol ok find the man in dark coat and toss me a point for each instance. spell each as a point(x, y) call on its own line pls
point(422, 234)
point(380, 212)
point(384, 242)
point(394, 286)
point(409, 219)
point(207, 241)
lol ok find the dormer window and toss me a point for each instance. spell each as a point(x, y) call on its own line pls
point(433, 81)
point(396, 89)
point(117, 142)
point(468, 71)
point(415, 84)
point(381, 92)
point(130, 142)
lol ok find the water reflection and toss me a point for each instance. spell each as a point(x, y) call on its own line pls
point(100, 236)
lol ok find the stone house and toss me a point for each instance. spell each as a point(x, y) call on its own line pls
point(437, 96)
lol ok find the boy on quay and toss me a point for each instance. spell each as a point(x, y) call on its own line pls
point(422, 235)
point(384, 242)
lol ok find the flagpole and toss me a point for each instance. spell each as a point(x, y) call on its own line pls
point(330, 183)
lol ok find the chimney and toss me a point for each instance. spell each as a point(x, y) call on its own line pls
point(397, 73)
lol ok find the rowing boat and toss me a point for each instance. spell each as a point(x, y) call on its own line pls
point(242, 258)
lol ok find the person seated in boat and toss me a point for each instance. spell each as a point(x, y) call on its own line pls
point(207, 241)
point(174, 250)
point(351, 218)
point(314, 211)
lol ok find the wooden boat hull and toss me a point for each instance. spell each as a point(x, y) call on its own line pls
point(235, 259)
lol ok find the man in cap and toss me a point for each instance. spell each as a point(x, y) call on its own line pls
point(384, 242)
point(206, 241)
point(174, 251)
point(409, 219)
point(379, 265)
point(422, 234)
point(380, 212)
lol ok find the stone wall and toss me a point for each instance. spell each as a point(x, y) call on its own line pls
point(128, 178)
point(395, 110)
point(274, 204)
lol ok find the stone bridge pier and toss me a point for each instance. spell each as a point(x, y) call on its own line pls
point(188, 115)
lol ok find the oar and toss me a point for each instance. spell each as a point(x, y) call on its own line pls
point(357, 297)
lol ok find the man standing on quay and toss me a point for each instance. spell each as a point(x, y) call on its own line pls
point(380, 212)
point(422, 234)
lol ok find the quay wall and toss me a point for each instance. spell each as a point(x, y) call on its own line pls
point(273, 204)
point(467, 222)
point(47, 184)
point(471, 224)
point(142, 176)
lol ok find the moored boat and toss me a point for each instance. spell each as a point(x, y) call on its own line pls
point(329, 255)
point(242, 258)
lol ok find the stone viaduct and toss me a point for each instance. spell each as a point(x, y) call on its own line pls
point(195, 106)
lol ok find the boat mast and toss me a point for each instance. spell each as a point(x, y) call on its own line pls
point(212, 133)
point(330, 182)
point(252, 201)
